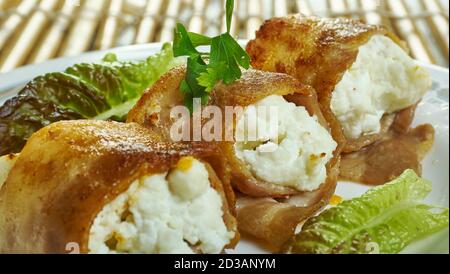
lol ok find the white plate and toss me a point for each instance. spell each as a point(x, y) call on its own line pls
point(434, 109)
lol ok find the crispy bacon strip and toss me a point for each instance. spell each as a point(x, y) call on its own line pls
point(69, 171)
point(390, 157)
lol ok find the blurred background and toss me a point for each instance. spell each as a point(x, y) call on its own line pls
point(32, 31)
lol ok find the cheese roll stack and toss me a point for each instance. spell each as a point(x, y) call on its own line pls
point(285, 175)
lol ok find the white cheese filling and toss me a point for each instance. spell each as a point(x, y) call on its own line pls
point(384, 79)
point(164, 214)
point(294, 153)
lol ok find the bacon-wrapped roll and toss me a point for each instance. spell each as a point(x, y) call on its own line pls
point(292, 162)
point(363, 76)
point(107, 187)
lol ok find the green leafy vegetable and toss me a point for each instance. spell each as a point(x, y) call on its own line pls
point(226, 58)
point(107, 90)
point(387, 218)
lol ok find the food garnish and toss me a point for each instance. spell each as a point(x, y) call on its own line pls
point(204, 69)
point(336, 200)
point(386, 218)
point(107, 90)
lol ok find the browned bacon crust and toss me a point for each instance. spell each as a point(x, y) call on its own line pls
point(69, 171)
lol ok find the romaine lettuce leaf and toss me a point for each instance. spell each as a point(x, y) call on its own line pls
point(107, 90)
point(385, 219)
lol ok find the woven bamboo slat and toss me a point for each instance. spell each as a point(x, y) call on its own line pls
point(32, 31)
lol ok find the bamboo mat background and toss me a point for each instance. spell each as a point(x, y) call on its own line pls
point(32, 31)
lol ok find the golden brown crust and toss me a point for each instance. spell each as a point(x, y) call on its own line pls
point(316, 51)
point(153, 109)
point(256, 85)
point(69, 171)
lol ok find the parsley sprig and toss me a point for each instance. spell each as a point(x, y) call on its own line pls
point(205, 70)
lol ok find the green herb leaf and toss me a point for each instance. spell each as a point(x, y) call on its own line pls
point(229, 12)
point(195, 67)
point(199, 40)
point(388, 217)
point(239, 54)
point(226, 58)
point(107, 90)
point(182, 44)
point(212, 75)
